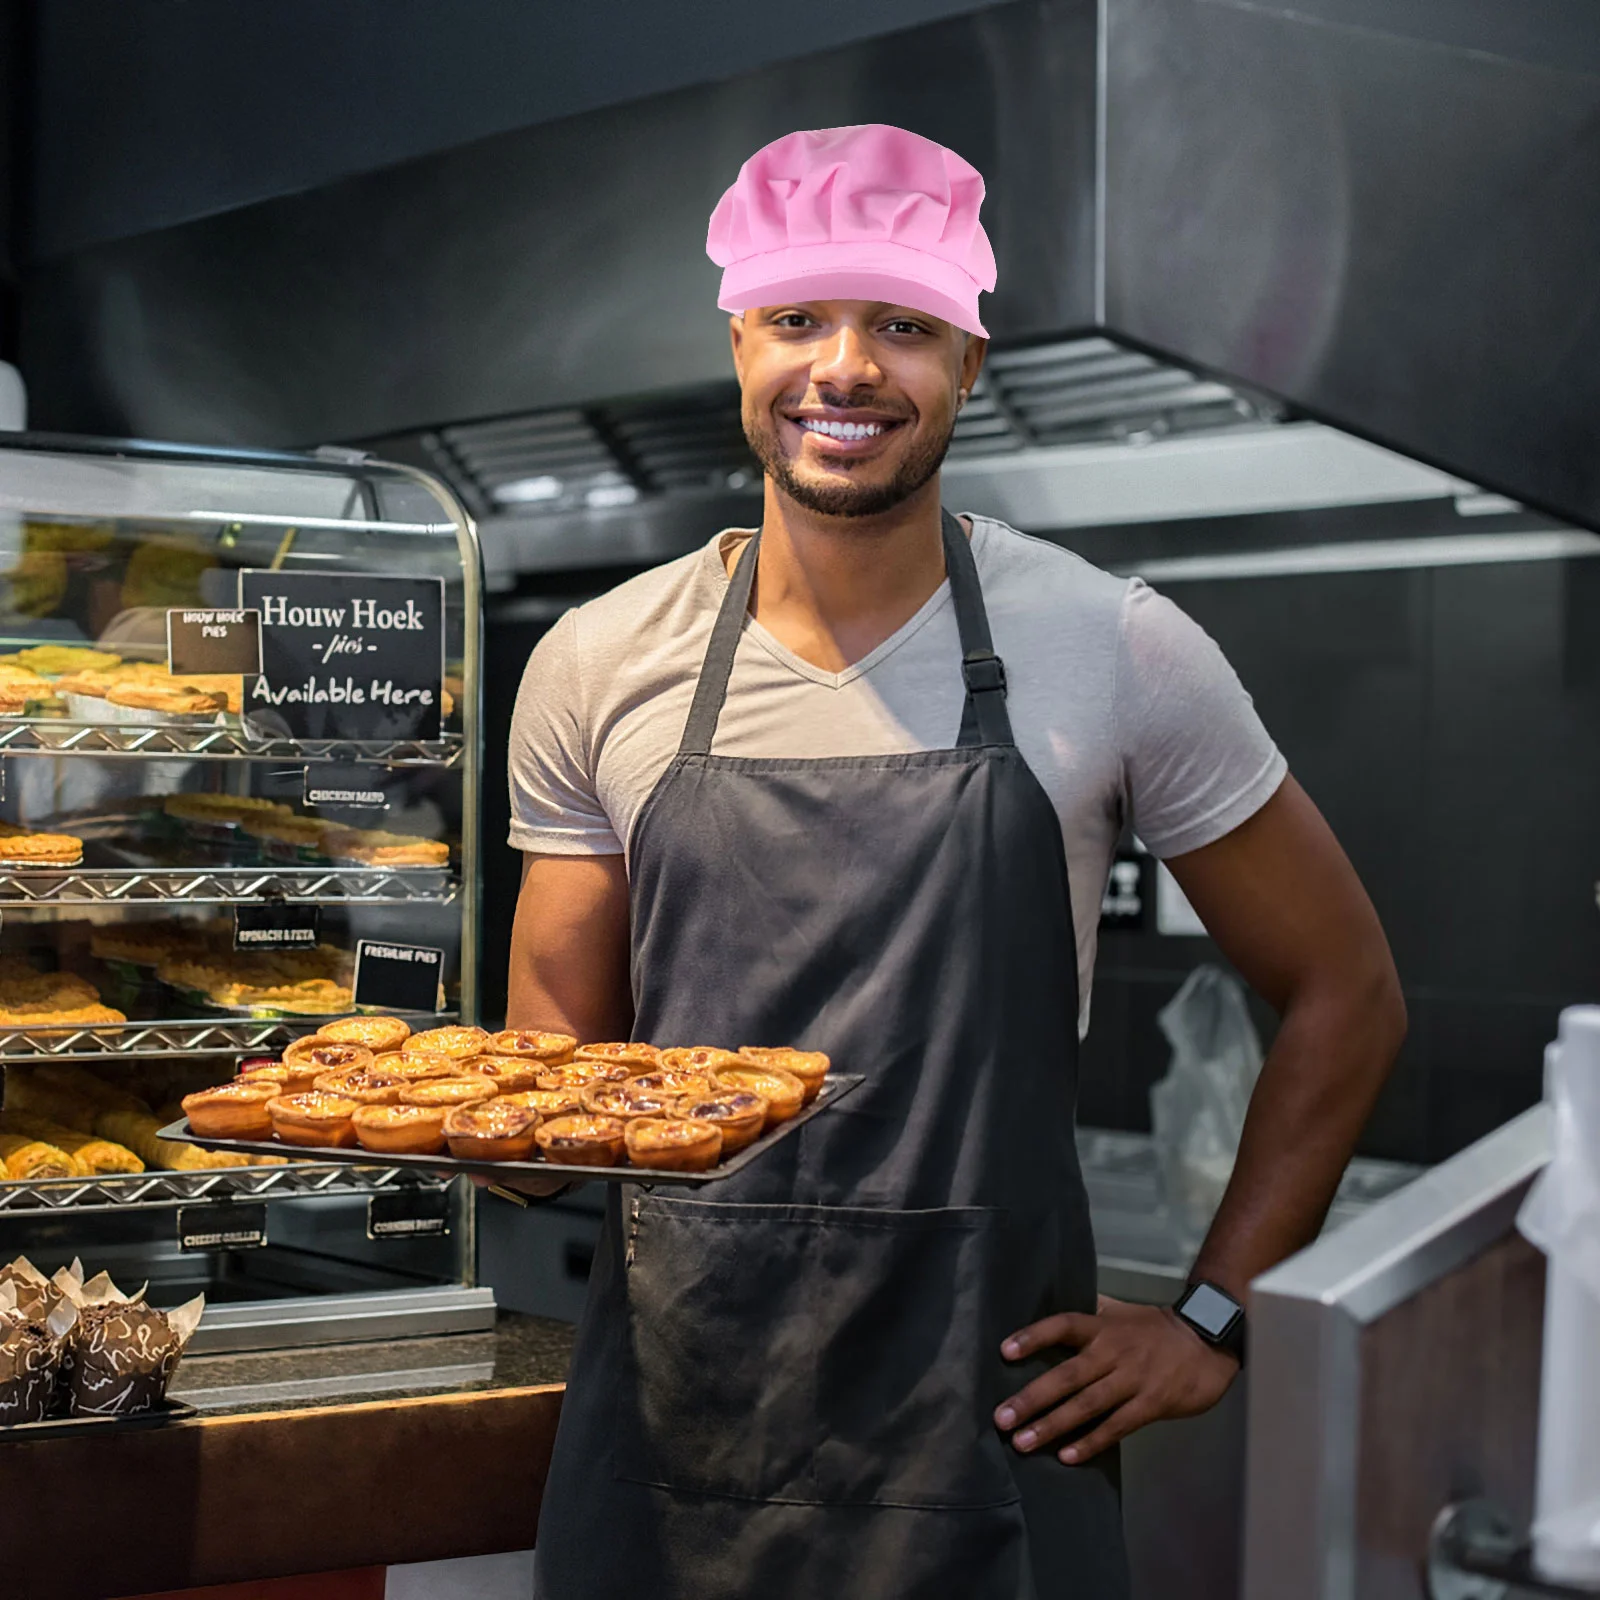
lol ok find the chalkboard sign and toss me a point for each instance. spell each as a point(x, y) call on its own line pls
point(228, 1225)
point(408, 1214)
point(213, 641)
point(398, 977)
point(275, 925)
point(346, 656)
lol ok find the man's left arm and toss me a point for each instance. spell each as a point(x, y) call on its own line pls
point(1282, 901)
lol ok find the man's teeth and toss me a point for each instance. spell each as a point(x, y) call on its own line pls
point(842, 430)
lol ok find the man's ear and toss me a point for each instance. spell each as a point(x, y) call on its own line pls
point(736, 338)
point(972, 360)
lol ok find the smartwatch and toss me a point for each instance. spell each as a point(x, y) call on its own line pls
point(1215, 1315)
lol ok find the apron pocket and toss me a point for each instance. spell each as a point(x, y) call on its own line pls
point(813, 1354)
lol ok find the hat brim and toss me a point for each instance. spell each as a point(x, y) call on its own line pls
point(892, 274)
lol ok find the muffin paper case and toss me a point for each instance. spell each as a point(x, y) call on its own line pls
point(33, 1351)
point(870, 212)
point(1562, 1217)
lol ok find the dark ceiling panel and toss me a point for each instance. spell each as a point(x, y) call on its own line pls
point(152, 113)
point(1401, 236)
point(554, 265)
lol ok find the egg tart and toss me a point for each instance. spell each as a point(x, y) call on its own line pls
point(636, 1057)
point(673, 1144)
point(317, 1119)
point(492, 1131)
point(581, 1141)
point(809, 1066)
point(236, 1110)
point(740, 1114)
point(547, 1102)
point(367, 1086)
point(400, 1130)
point(509, 1074)
point(290, 1080)
point(324, 1055)
point(531, 1044)
point(673, 1080)
point(414, 1065)
point(376, 1033)
point(702, 1058)
point(783, 1092)
point(447, 1092)
point(575, 1074)
point(624, 1100)
point(457, 1042)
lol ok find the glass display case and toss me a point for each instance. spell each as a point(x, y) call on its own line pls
point(239, 753)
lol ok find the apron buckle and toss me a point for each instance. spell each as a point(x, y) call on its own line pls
point(983, 672)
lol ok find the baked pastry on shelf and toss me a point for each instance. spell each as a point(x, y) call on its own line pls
point(491, 1131)
point(809, 1066)
point(400, 1130)
point(21, 847)
point(582, 1140)
point(373, 848)
point(673, 1144)
point(413, 1064)
point(740, 1114)
point(223, 809)
point(291, 1078)
point(315, 1118)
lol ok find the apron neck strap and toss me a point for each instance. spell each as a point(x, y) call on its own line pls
point(984, 720)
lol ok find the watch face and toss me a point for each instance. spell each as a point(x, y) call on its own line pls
point(1211, 1311)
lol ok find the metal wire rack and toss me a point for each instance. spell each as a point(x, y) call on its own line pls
point(206, 742)
point(186, 1036)
point(371, 886)
point(116, 1193)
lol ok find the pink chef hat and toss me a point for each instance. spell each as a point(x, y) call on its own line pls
point(870, 212)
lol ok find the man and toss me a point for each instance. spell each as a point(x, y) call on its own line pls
point(853, 784)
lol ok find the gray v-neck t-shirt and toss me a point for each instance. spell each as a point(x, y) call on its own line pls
point(1122, 706)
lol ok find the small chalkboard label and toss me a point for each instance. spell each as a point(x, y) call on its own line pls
point(230, 1225)
point(398, 977)
point(213, 641)
point(408, 1214)
point(275, 926)
point(342, 788)
point(346, 656)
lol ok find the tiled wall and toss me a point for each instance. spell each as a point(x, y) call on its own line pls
point(1447, 722)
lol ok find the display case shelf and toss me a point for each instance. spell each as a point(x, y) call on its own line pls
point(43, 737)
point(211, 886)
point(120, 1191)
point(185, 1036)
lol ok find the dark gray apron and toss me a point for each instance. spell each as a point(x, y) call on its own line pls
point(784, 1383)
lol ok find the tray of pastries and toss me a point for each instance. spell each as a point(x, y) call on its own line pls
point(461, 1099)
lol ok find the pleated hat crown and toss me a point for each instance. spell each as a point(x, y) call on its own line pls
point(869, 212)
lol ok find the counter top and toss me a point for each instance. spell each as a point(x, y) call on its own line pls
point(521, 1352)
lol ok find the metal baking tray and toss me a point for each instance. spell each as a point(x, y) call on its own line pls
point(87, 1427)
point(835, 1087)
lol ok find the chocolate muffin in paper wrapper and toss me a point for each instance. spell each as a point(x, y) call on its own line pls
point(123, 1352)
point(33, 1352)
point(37, 1295)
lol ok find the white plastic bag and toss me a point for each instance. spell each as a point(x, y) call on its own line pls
point(1197, 1110)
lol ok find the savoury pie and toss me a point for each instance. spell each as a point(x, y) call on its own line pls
point(447, 1092)
point(809, 1066)
point(236, 1110)
point(783, 1092)
point(626, 1100)
point(740, 1114)
point(459, 1041)
point(367, 1086)
point(400, 1130)
point(533, 1045)
point(636, 1057)
point(376, 1033)
point(325, 1055)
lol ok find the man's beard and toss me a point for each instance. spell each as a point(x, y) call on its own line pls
point(839, 497)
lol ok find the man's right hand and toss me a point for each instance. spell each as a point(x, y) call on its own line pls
point(534, 1188)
